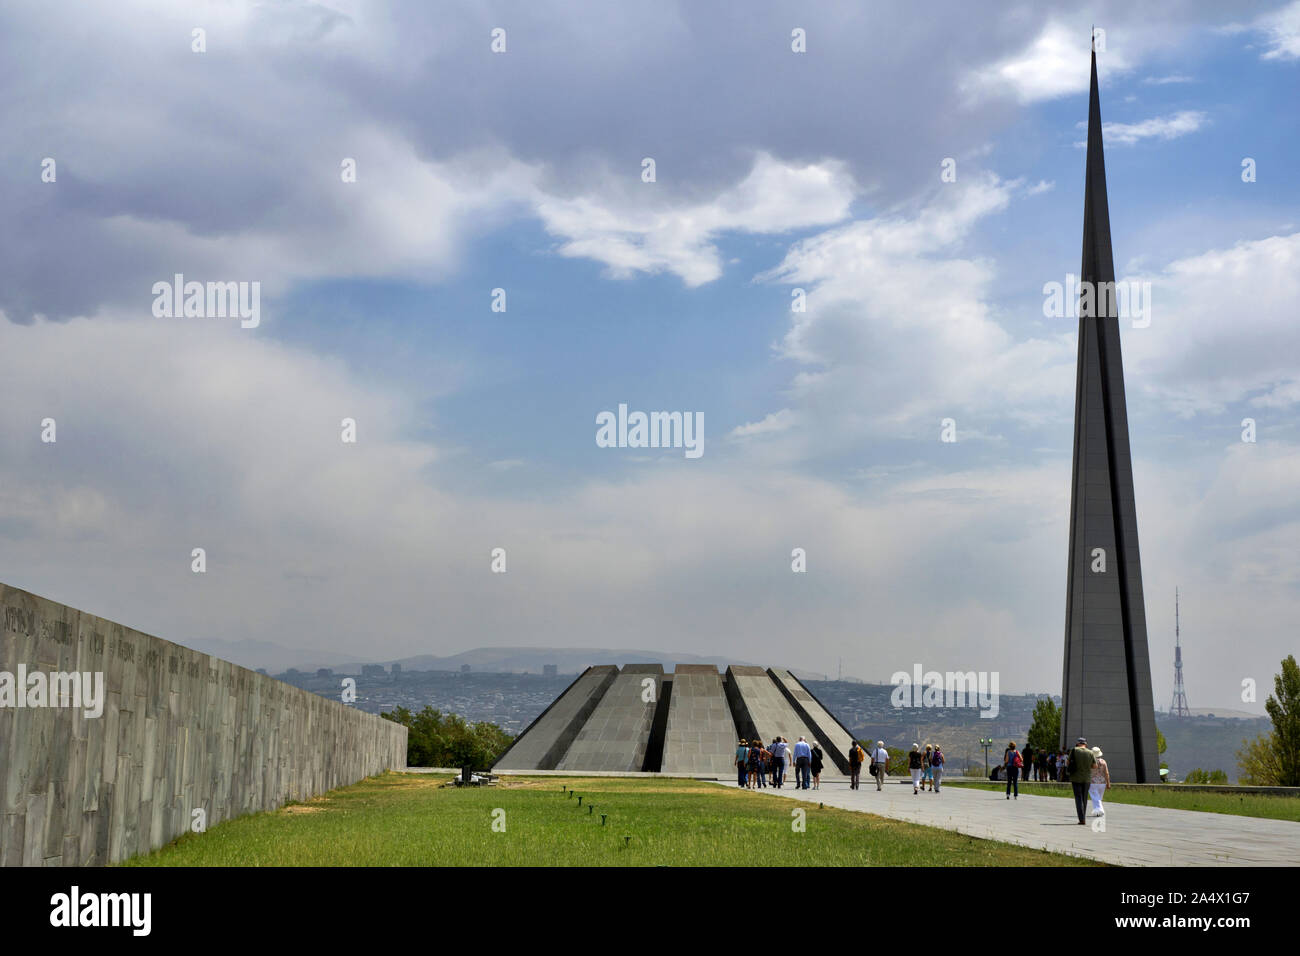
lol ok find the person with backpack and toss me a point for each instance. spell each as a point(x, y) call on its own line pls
point(926, 775)
point(742, 762)
point(936, 767)
point(856, 754)
point(816, 763)
point(879, 764)
point(1014, 764)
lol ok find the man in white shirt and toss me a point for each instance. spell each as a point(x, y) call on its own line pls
point(880, 757)
point(802, 764)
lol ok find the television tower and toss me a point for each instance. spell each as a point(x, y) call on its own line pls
point(1179, 706)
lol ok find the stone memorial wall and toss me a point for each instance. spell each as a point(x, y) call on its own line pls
point(114, 742)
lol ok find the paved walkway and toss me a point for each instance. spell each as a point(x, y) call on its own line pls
point(1133, 835)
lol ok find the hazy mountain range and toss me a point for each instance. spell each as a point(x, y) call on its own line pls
point(568, 660)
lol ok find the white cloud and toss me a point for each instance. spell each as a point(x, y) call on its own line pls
point(1283, 30)
point(637, 229)
point(772, 424)
point(899, 331)
point(1222, 328)
point(1158, 127)
point(1054, 64)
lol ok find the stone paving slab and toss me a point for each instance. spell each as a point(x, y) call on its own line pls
point(1133, 835)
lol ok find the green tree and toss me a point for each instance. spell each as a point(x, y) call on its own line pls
point(1257, 763)
point(1206, 776)
point(1161, 744)
point(1045, 732)
point(435, 739)
point(1273, 759)
point(1284, 709)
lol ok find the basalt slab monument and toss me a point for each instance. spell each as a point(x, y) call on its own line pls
point(641, 719)
point(1106, 687)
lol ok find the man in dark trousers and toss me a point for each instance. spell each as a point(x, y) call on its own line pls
point(1028, 755)
point(1079, 769)
point(856, 754)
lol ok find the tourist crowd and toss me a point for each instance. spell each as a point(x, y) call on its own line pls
point(760, 765)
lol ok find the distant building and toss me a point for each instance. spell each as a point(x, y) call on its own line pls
point(397, 670)
point(372, 670)
point(464, 668)
point(325, 672)
point(550, 670)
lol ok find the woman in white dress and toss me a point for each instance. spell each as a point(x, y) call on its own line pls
point(1100, 783)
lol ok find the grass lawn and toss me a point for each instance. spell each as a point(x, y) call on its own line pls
point(1168, 795)
point(407, 820)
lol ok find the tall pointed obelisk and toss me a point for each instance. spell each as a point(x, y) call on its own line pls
point(1106, 689)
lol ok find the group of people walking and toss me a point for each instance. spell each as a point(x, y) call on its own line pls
point(925, 766)
point(759, 766)
point(1083, 767)
point(1040, 764)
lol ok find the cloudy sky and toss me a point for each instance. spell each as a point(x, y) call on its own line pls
point(522, 170)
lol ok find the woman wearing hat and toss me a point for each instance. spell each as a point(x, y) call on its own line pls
point(1100, 783)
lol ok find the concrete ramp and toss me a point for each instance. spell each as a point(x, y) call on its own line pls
point(547, 739)
point(831, 734)
point(700, 736)
point(617, 734)
point(761, 709)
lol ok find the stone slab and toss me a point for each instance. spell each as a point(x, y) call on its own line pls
point(701, 734)
point(616, 735)
point(546, 740)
